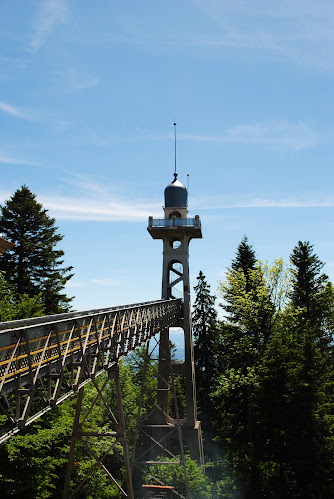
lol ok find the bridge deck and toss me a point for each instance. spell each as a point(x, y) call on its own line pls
point(48, 358)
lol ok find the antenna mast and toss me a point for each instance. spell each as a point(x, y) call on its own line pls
point(175, 145)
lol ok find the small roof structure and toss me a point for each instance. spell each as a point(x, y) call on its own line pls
point(5, 245)
point(176, 195)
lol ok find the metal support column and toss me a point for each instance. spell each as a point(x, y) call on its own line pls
point(116, 436)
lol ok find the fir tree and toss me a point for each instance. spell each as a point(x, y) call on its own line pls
point(310, 286)
point(34, 266)
point(205, 329)
point(204, 322)
point(245, 260)
point(242, 265)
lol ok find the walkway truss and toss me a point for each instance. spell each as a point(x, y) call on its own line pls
point(43, 361)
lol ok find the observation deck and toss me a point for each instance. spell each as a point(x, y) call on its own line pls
point(157, 227)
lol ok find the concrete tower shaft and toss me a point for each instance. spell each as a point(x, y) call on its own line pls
point(176, 231)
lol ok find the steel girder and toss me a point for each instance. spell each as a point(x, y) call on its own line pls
point(43, 363)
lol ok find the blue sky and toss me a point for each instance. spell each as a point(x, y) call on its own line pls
point(89, 94)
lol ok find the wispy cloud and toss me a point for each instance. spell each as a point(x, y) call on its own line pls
point(320, 202)
point(16, 161)
point(29, 114)
point(77, 208)
point(15, 111)
point(280, 134)
point(109, 282)
point(92, 199)
point(50, 14)
point(76, 79)
point(301, 32)
point(95, 207)
point(277, 134)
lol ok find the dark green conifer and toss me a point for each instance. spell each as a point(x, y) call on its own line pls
point(245, 259)
point(308, 283)
point(205, 333)
point(34, 266)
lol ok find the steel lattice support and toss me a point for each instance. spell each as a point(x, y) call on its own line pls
point(43, 361)
point(114, 437)
point(151, 442)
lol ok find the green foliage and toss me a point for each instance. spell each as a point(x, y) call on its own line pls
point(33, 266)
point(205, 330)
point(244, 260)
point(32, 464)
point(296, 416)
point(204, 322)
point(13, 307)
point(265, 373)
point(136, 362)
point(274, 404)
point(200, 486)
point(130, 396)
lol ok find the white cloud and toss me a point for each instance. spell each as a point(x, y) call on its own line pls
point(107, 282)
point(320, 202)
point(50, 14)
point(302, 32)
point(284, 135)
point(14, 111)
point(79, 208)
point(29, 114)
point(91, 200)
point(15, 161)
point(275, 134)
point(102, 209)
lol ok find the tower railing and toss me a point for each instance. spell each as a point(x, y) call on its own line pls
point(174, 222)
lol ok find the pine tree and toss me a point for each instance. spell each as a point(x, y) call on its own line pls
point(253, 296)
point(310, 287)
point(204, 322)
point(247, 297)
point(34, 266)
point(295, 395)
point(242, 265)
point(245, 260)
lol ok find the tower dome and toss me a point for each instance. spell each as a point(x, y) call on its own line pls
point(176, 195)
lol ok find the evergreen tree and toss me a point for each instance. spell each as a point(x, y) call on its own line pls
point(204, 322)
point(245, 260)
point(241, 267)
point(312, 311)
point(34, 266)
point(245, 257)
point(254, 308)
point(311, 289)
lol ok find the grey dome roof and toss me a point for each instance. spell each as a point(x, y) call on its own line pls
point(176, 195)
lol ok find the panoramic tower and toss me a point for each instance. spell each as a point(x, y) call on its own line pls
point(176, 231)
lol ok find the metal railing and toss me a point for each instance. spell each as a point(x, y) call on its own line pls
point(174, 222)
point(45, 360)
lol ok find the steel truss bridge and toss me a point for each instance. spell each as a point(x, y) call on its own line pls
point(43, 361)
